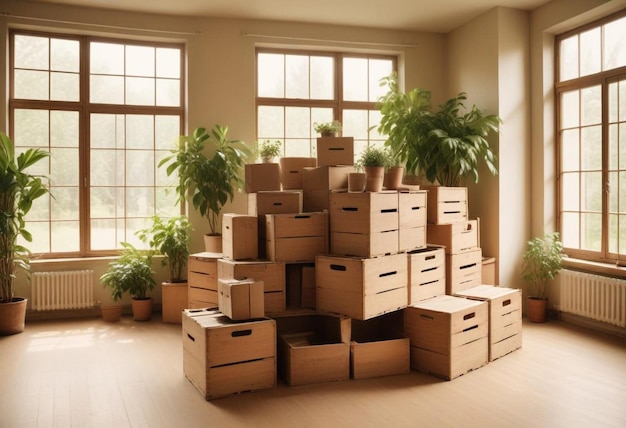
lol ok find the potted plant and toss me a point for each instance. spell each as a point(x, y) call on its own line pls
point(328, 129)
point(208, 180)
point(394, 171)
point(132, 273)
point(356, 179)
point(268, 150)
point(542, 262)
point(18, 190)
point(374, 160)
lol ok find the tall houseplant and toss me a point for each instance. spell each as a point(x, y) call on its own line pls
point(543, 261)
point(210, 175)
point(18, 190)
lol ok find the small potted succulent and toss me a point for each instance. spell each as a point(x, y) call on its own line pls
point(328, 129)
point(269, 150)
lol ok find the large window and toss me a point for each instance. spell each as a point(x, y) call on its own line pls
point(297, 89)
point(107, 111)
point(591, 123)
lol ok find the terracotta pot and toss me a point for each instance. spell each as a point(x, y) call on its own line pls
point(111, 313)
point(374, 176)
point(142, 309)
point(393, 178)
point(13, 316)
point(328, 134)
point(213, 243)
point(536, 309)
point(356, 182)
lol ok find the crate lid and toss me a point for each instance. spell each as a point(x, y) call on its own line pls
point(487, 292)
point(447, 304)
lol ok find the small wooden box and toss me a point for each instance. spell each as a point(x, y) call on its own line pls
point(446, 205)
point(273, 203)
point(313, 347)
point(296, 237)
point(314, 200)
point(291, 171)
point(175, 299)
point(240, 236)
point(326, 178)
point(202, 279)
point(335, 151)
point(463, 270)
point(365, 212)
point(262, 177)
point(412, 209)
point(365, 244)
point(456, 237)
point(378, 347)
point(361, 288)
point(489, 271)
point(222, 357)
point(412, 239)
point(427, 273)
point(505, 317)
point(448, 334)
point(241, 299)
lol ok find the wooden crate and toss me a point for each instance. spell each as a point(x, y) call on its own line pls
point(241, 299)
point(222, 357)
point(427, 273)
point(202, 280)
point(240, 236)
point(448, 335)
point(505, 317)
point(296, 237)
point(364, 244)
point(175, 300)
point(282, 202)
point(463, 270)
point(412, 239)
point(364, 213)
point(262, 177)
point(446, 205)
point(412, 209)
point(361, 288)
point(456, 237)
point(335, 151)
point(291, 171)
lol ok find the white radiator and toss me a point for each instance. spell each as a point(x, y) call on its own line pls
point(62, 290)
point(596, 297)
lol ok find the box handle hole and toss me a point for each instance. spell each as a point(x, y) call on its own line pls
point(469, 316)
point(191, 337)
point(338, 267)
point(507, 302)
point(240, 333)
point(382, 275)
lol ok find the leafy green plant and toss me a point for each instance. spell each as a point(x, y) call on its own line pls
point(130, 273)
point(211, 181)
point(327, 129)
point(270, 149)
point(542, 262)
point(374, 156)
point(170, 238)
point(18, 191)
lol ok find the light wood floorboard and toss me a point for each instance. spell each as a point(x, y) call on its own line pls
point(88, 373)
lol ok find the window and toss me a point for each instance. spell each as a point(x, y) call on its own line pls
point(591, 152)
point(297, 89)
point(107, 111)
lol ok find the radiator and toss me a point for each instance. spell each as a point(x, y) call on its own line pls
point(62, 290)
point(596, 297)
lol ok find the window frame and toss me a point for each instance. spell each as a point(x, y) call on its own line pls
point(85, 109)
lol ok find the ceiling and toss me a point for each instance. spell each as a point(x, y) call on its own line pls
point(439, 16)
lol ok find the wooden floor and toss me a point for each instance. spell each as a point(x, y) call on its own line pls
point(87, 373)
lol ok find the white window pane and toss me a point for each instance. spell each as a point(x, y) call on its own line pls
point(65, 236)
point(140, 61)
point(271, 75)
point(167, 131)
point(102, 131)
point(591, 148)
point(168, 92)
point(64, 87)
point(106, 58)
point(65, 55)
point(140, 91)
point(297, 76)
point(64, 205)
point(139, 202)
point(31, 85)
point(270, 122)
point(355, 80)
point(355, 123)
point(322, 78)
point(139, 168)
point(320, 115)
point(570, 110)
point(568, 58)
point(298, 148)
point(591, 191)
point(30, 128)
point(590, 48)
point(614, 194)
point(64, 167)
point(591, 233)
point(591, 102)
point(40, 230)
point(379, 68)
point(570, 199)
point(103, 235)
point(139, 131)
point(298, 122)
point(104, 168)
point(615, 44)
point(168, 63)
point(106, 89)
point(63, 128)
point(571, 230)
point(570, 150)
point(102, 202)
point(31, 52)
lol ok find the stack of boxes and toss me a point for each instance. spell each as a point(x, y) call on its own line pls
point(357, 284)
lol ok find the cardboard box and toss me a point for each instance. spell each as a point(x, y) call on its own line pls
point(456, 237)
point(448, 335)
point(174, 300)
point(489, 271)
point(240, 236)
point(273, 203)
point(325, 178)
point(378, 347)
point(241, 299)
point(296, 237)
point(446, 205)
point(202, 279)
point(313, 347)
point(427, 273)
point(412, 208)
point(361, 288)
point(315, 200)
point(505, 317)
point(364, 212)
point(365, 244)
point(262, 176)
point(335, 151)
point(291, 171)
point(463, 270)
point(222, 357)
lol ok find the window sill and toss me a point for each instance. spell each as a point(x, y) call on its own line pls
point(595, 267)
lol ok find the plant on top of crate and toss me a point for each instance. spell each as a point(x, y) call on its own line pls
point(374, 160)
point(268, 150)
point(328, 129)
